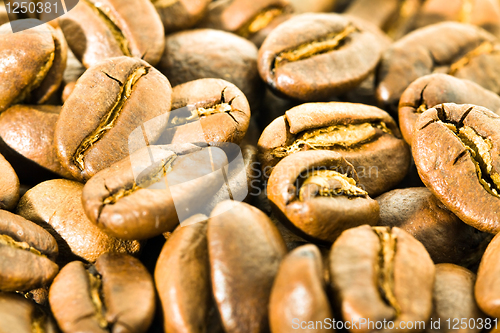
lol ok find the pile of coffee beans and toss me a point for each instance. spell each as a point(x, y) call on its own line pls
point(249, 166)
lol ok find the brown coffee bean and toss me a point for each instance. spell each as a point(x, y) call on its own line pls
point(382, 274)
point(248, 19)
point(455, 150)
point(207, 110)
point(431, 90)
point(57, 206)
point(180, 14)
point(109, 102)
point(298, 293)
point(317, 56)
point(98, 30)
point(446, 238)
point(27, 134)
point(26, 252)
point(23, 316)
point(453, 298)
point(33, 62)
point(182, 278)
point(317, 6)
point(458, 49)
point(364, 135)
point(9, 185)
point(395, 17)
point(4, 17)
point(245, 250)
point(486, 289)
point(483, 13)
point(132, 205)
point(207, 53)
point(317, 194)
point(114, 295)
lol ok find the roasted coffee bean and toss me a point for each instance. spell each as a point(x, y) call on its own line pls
point(365, 135)
point(207, 53)
point(180, 14)
point(56, 205)
point(142, 195)
point(218, 106)
point(483, 13)
point(298, 293)
point(182, 278)
point(23, 316)
point(245, 251)
point(317, 56)
point(461, 50)
point(4, 17)
point(26, 252)
point(382, 274)
point(431, 90)
point(317, 194)
point(453, 297)
point(68, 89)
point(455, 148)
point(248, 19)
point(33, 62)
point(9, 185)
point(27, 140)
point(317, 6)
point(486, 289)
point(109, 102)
point(395, 17)
point(98, 30)
point(114, 295)
point(446, 238)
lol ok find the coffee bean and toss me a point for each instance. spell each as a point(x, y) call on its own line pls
point(382, 274)
point(245, 250)
point(23, 316)
point(395, 17)
point(160, 182)
point(431, 90)
point(458, 49)
point(109, 102)
point(180, 14)
point(364, 135)
point(220, 107)
point(483, 13)
point(98, 30)
point(298, 293)
point(317, 194)
point(27, 139)
point(486, 289)
point(27, 251)
point(56, 205)
point(446, 238)
point(317, 56)
point(9, 185)
point(182, 278)
point(33, 63)
point(454, 148)
point(114, 295)
point(249, 19)
point(453, 297)
point(208, 53)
